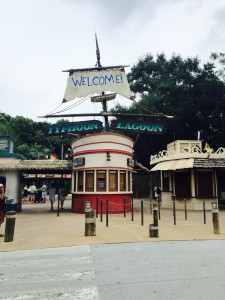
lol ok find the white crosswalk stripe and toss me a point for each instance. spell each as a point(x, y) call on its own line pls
point(60, 273)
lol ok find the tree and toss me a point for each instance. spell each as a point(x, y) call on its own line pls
point(191, 93)
point(219, 60)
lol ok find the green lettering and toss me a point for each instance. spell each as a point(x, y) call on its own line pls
point(159, 128)
point(120, 125)
point(150, 127)
point(94, 126)
point(57, 129)
point(142, 126)
point(86, 126)
point(134, 126)
point(64, 129)
point(80, 127)
point(50, 131)
point(127, 126)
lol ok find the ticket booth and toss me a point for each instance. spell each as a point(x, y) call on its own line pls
point(102, 171)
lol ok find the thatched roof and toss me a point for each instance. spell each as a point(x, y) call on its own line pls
point(9, 163)
point(23, 165)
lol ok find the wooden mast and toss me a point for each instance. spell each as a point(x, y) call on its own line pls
point(104, 102)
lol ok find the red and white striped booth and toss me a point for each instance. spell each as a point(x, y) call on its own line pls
point(102, 171)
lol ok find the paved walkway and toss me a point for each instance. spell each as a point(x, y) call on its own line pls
point(188, 270)
point(38, 227)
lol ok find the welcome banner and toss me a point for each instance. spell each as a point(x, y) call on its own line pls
point(84, 83)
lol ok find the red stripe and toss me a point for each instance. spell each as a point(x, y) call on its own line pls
point(105, 133)
point(103, 143)
point(103, 151)
point(103, 167)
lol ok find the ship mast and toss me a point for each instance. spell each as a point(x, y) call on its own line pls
point(104, 102)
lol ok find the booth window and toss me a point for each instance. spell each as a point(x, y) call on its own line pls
point(80, 181)
point(122, 180)
point(182, 184)
point(204, 184)
point(101, 181)
point(89, 186)
point(113, 180)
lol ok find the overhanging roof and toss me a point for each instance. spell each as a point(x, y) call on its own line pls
point(189, 163)
point(174, 165)
point(209, 163)
point(35, 165)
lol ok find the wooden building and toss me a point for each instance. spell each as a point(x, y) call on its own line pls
point(190, 173)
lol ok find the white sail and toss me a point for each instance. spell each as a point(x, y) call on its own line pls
point(84, 83)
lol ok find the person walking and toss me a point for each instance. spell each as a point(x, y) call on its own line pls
point(157, 191)
point(51, 193)
point(62, 193)
point(44, 189)
point(25, 193)
point(2, 205)
point(33, 191)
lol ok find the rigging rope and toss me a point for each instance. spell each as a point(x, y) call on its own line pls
point(71, 106)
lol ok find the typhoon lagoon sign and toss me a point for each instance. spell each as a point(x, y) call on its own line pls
point(96, 126)
point(140, 127)
point(74, 127)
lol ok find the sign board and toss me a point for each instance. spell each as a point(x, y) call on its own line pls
point(73, 127)
point(6, 144)
point(79, 161)
point(84, 83)
point(140, 127)
point(130, 162)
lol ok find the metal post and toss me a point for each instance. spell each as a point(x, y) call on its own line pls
point(215, 218)
point(155, 221)
point(124, 207)
point(151, 206)
point(132, 209)
point(101, 210)
point(174, 209)
point(10, 225)
point(185, 208)
point(97, 207)
point(58, 208)
point(142, 213)
point(153, 228)
point(158, 202)
point(107, 213)
point(90, 220)
point(204, 212)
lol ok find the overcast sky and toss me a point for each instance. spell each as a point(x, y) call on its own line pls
point(40, 38)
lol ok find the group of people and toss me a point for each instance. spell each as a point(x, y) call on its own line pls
point(44, 193)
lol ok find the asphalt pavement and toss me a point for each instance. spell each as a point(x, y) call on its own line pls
point(51, 258)
point(189, 270)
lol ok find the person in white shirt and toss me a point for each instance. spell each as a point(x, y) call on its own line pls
point(44, 193)
point(157, 191)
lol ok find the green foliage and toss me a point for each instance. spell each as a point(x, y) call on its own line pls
point(29, 138)
point(193, 94)
point(219, 60)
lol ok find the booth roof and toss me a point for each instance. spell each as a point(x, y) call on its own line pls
point(189, 163)
point(17, 164)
